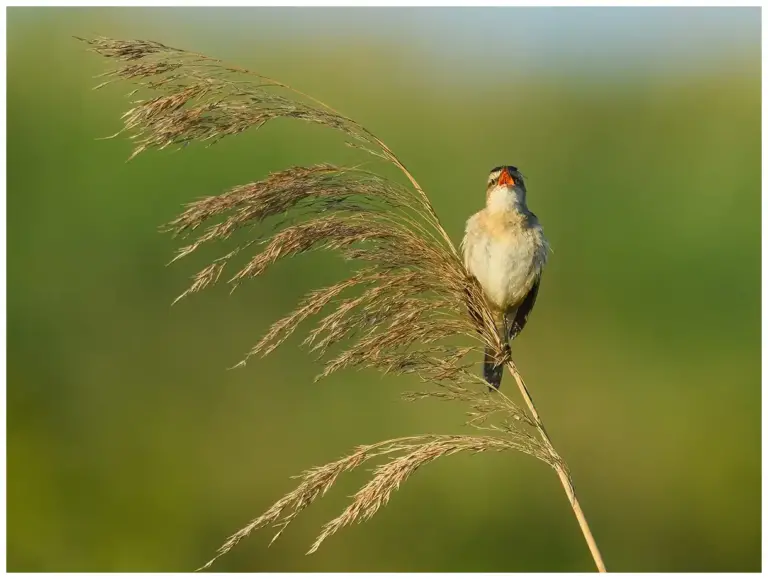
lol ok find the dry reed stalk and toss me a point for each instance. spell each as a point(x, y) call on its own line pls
point(411, 296)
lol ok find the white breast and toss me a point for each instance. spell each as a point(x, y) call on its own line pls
point(505, 254)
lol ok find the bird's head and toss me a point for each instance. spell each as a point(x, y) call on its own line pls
point(506, 187)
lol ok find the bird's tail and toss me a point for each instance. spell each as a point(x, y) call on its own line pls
point(493, 369)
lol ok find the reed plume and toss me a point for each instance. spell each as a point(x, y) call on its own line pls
point(409, 308)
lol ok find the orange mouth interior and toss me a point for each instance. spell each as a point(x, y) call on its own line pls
point(505, 178)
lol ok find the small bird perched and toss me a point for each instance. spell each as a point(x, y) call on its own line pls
point(505, 250)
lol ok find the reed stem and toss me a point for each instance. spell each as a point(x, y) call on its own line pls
point(561, 470)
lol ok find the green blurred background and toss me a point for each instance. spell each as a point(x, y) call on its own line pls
point(131, 448)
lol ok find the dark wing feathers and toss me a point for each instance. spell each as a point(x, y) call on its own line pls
point(521, 314)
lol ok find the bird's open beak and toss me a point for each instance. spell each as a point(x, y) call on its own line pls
point(506, 179)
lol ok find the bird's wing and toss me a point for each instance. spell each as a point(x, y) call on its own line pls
point(516, 325)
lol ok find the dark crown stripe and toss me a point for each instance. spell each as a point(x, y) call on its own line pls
point(500, 167)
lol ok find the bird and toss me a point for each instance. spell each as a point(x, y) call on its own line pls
point(505, 250)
